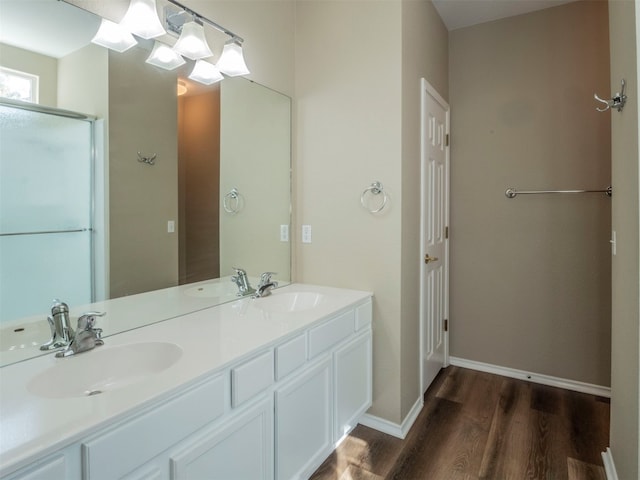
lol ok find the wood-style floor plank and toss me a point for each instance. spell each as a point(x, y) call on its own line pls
point(479, 426)
point(577, 470)
point(509, 434)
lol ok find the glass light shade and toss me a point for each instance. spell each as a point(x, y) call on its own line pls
point(192, 42)
point(142, 19)
point(113, 36)
point(182, 88)
point(205, 73)
point(231, 61)
point(164, 56)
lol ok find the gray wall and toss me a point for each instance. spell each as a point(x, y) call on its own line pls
point(530, 277)
point(625, 369)
point(199, 185)
point(425, 49)
point(357, 120)
point(144, 256)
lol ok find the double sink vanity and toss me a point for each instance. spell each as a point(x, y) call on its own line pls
point(251, 389)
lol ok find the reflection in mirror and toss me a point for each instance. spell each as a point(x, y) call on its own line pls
point(148, 179)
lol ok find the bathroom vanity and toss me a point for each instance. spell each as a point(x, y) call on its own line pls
point(252, 389)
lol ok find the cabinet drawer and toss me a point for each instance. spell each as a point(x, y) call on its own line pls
point(364, 314)
point(142, 438)
point(291, 356)
point(325, 336)
point(250, 378)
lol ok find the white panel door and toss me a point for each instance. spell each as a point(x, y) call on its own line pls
point(435, 219)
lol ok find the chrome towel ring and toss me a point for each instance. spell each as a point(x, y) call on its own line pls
point(231, 202)
point(375, 188)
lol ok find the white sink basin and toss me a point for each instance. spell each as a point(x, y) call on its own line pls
point(104, 369)
point(288, 302)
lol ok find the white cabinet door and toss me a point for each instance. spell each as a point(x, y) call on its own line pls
point(154, 470)
point(239, 449)
point(53, 468)
point(64, 464)
point(352, 383)
point(304, 412)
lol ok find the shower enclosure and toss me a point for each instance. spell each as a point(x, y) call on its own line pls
point(47, 159)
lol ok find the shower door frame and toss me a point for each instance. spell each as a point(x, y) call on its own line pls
point(95, 202)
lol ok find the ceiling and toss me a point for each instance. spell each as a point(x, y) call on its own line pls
point(55, 28)
point(464, 13)
point(62, 36)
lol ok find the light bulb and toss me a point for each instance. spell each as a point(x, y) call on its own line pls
point(192, 42)
point(164, 56)
point(113, 36)
point(142, 19)
point(231, 61)
point(206, 73)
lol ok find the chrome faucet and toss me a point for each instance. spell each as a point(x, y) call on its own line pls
point(242, 281)
point(87, 337)
point(60, 325)
point(266, 285)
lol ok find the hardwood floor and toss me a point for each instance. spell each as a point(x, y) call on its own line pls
point(479, 426)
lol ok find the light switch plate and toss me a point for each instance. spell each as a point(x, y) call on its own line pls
point(306, 233)
point(284, 233)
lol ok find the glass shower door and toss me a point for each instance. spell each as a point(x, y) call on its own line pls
point(46, 201)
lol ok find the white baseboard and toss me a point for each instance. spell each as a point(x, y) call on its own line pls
point(385, 426)
point(533, 377)
point(609, 466)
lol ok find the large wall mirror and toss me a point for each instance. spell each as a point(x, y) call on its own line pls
point(169, 182)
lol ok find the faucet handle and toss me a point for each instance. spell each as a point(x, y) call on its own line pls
point(239, 271)
point(88, 320)
point(266, 277)
point(58, 306)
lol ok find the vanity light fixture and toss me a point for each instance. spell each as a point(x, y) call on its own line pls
point(164, 56)
point(142, 19)
point(113, 36)
point(231, 61)
point(205, 73)
point(192, 42)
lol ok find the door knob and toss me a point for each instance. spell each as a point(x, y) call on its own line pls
point(428, 259)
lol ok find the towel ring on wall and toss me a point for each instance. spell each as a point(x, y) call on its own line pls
point(375, 188)
point(231, 201)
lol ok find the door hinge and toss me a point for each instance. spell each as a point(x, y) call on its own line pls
point(446, 232)
point(446, 140)
point(446, 325)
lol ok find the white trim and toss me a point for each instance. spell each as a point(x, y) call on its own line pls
point(533, 377)
point(385, 426)
point(609, 466)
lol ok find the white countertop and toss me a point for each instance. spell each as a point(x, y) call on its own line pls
point(122, 314)
point(210, 339)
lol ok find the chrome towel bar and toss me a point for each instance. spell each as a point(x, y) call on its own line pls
point(45, 232)
point(512, 192)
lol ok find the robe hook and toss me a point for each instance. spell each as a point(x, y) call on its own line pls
point(149, 160)
point(617, 102)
